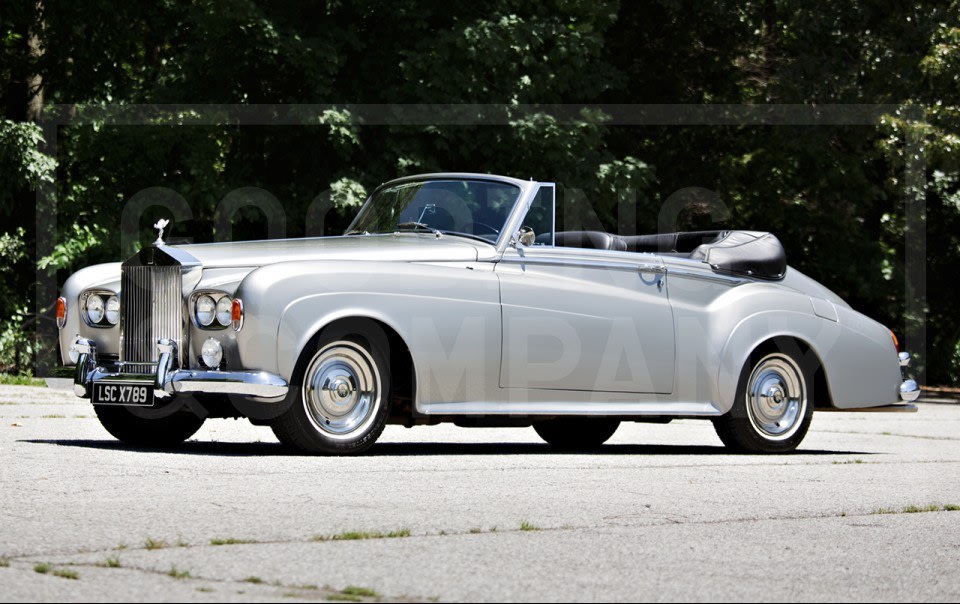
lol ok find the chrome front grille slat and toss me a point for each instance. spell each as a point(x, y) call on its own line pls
point(151, 308)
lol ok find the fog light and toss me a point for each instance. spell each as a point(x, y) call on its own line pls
point(74, 354)
point(211, 353)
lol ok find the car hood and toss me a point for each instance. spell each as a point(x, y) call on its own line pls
point(403, 247)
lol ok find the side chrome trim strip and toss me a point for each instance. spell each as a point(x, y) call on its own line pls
point(575, 262)
point(713, 277)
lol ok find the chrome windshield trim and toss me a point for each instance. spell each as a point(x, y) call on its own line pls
point(527, 192)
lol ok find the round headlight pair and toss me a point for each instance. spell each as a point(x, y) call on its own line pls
point(208, 310)
point(102, 309)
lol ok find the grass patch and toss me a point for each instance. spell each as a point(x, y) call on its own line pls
point(363, 592)
point(10, 379)
point(65, 573)
point(53, 416)
point(41, 568)
point(254, 580)
point(4, 562)
point(526, 526)
point(476, 531)
point(204, 590)
point(361, 535)
point(151, 543)
point(919, 509)
point(846, 463)
point(112, 562)
point(176, 573)
point(231, 541)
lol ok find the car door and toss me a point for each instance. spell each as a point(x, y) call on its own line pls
point(585, 319)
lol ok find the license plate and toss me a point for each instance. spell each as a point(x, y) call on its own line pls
point(114, 393)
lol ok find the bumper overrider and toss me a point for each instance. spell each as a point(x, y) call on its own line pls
point(169, 381)
point(909, 390)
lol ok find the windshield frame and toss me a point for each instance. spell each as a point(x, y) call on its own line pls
point(507, 232)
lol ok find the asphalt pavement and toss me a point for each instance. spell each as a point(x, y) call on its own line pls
point(867, 509)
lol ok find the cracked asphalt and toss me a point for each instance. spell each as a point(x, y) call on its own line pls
point(864, 511)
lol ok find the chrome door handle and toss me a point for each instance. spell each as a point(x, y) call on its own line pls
point(652, 268)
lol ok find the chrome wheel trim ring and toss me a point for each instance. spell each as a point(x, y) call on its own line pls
point(341, 390)
point(776, 397)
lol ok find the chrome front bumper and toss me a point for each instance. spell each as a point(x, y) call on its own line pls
point(260, 385)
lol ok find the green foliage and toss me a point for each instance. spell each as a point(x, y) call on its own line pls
point(8, 379)
point(834, 195)
point(22, 162)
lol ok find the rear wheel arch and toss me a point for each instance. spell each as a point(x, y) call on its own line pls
point(789, 343)
point(777, 392)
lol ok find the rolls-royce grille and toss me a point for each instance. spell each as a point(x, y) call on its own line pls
point(151, 308)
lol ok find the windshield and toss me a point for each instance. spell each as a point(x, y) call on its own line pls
point(475, 208)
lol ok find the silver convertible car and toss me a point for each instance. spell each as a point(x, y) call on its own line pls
point(453, 298)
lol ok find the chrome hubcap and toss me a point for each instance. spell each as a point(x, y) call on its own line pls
point(341, 390)
point(776, 397)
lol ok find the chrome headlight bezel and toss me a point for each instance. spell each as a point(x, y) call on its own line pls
point(112, 306)
point(217, 297)
point(90, 297)
point(205, 310)
point(224, 311)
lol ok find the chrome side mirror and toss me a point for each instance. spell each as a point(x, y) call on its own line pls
point(526, 236)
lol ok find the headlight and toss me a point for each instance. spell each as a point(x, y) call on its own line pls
point(113, 310)
point(94, 308)
point(224, 310)
point(206, 310)
point(211, 353)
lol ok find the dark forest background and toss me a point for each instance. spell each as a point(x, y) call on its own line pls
point(835, 195)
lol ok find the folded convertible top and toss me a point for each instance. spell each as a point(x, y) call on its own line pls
point(751, 253)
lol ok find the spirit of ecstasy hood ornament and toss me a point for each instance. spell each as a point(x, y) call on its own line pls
point(161, 224)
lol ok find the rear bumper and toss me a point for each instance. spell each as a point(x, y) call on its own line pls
point(909, 390)
point(168, 381)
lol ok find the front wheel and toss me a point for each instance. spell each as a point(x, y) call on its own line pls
point(576, 434)
point(772, 410)
point(148, 427)
point(339, 401)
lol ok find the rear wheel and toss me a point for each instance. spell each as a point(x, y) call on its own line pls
point(772, 410)
point(575, 433)
point(148, 427)
point(339, 401)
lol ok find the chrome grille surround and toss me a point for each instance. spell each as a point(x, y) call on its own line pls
point(151, 306)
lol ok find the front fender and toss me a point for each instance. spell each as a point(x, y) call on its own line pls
point(448, 314)
point(106, 276)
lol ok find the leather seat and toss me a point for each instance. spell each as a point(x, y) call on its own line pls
point(591, 240)
point(683, 243)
